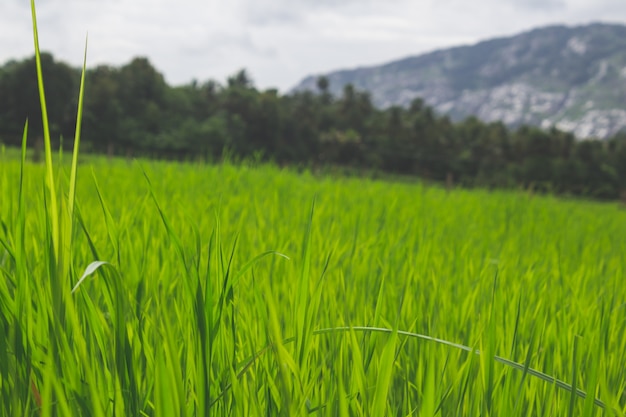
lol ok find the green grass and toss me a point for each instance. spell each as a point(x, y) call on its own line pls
point(151, 288)
point(181, 322)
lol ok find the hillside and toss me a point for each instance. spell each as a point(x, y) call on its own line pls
point(570, 77)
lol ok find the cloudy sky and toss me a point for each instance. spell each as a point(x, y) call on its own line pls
point(277, 41)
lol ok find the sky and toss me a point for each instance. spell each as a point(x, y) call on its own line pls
point(278, 42)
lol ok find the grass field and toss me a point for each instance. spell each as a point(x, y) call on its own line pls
point(160, 289)
point(181, 323)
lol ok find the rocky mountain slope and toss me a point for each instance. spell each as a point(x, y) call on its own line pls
point(570, 77)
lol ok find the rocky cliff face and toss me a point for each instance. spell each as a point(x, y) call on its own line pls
point(573, 78)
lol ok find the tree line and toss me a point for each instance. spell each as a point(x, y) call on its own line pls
point(131, 110)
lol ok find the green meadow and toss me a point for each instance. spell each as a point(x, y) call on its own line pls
point(255, 290)
point(142, 288)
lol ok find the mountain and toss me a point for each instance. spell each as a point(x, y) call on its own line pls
point(573, 78)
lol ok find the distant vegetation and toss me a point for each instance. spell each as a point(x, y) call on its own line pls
point(132, 111)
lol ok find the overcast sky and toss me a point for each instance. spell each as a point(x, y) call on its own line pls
point(278, 41)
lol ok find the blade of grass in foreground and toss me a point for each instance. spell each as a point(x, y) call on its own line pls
point(386, 372)
point(572, 400)
point(302, 303)
point(20, 251)
point(588, 410)
point(487, 358)
point(520, 367)
point(520, 391)
point(428, 407)
point(53, 204)
point(22, 317)
point(79, 118)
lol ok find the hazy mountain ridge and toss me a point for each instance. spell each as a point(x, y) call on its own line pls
point(571, 77)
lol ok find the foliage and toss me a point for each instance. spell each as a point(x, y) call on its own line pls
point(132, 111)
point(159, 289)
point(179, 321)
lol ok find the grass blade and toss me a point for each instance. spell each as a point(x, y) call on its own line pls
point(53, 204)
point(91, 268)
point(79, 118)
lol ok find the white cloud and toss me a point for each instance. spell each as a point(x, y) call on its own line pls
point(278, 41)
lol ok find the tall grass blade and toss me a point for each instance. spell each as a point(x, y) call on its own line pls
point(53, 204)
point(572, 400)
point(79, 119)
point(302, 306)
point(384, 379)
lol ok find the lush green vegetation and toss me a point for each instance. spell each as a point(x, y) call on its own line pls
point(159, 289)
point(131, 111)
point(179, 323)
